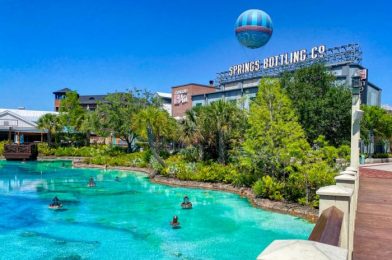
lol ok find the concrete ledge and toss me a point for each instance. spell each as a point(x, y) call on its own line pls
point(302, 250)
point(334, 190)
point(345, 177)
point(349, 172)
point(353, 169)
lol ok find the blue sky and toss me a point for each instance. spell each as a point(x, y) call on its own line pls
point(96, 47)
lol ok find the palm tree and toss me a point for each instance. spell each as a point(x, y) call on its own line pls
point(49, 123)
point(191, 133)
point(223, 119)
point(155, 125)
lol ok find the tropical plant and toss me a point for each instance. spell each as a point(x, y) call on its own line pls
point(215, 129)
point(157, 127)
point(50, 123)
point(376, 123)
point(72, 116)
point(114, 115)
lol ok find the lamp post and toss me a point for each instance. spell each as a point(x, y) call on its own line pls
point(356, 115)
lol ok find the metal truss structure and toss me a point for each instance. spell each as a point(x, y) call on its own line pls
point(345, 54)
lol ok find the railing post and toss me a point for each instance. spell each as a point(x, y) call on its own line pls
point(349, 181)
point(340, 197)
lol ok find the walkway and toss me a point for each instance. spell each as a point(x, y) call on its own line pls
point(373, 230)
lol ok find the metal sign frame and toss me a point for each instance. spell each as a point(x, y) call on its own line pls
point(350, 53)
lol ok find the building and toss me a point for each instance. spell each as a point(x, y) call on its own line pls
point(166, 99)
point(241, 81)
point(182, 97)
point(20, 125)
point(88, 102)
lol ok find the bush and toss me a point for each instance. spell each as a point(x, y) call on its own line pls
point(306, 180)
point(268, 187)
point(178, 167)
point(381, 155)
point(137, 159)
point(44, 149)
point(2, 143)
point(190, 154)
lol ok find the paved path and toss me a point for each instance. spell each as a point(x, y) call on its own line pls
point(373, 227)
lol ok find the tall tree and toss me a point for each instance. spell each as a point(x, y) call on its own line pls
point(376, 122)
point(50, 123)
point(157, 127)
point(72, 116)
point(323, 108)
point(275, 138)
point(114, 115)
point(71, 112)
point(216, 129)
point(225, 121)
point(191, 132)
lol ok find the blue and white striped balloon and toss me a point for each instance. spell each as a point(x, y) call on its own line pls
point(253, 28)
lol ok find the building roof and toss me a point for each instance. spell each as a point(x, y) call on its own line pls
point(64, 90)
point(164, 95)
point(27, 115)
point(195, 84)
point(387, 107)
point(91, 99)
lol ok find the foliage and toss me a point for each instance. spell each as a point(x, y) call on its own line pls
point(190, 153)
point(113, 116)
point(2, 143)
point(202, 171)
point(71, 112)
point(305, 179)
point(49, 123)
point(381, 155)
point(274, 138)
point(45, 150)
point(376, 122)
point(268, 187)
point(322, 108)
point(137, 159)
point(215, 129)
point(323, 150)
point(85, 151)
point(157, 127)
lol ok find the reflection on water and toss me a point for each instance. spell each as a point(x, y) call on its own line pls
point(126, 219)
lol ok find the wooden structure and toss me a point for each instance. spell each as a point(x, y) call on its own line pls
point(327, 229)
point(21, 152)
point(373, 225)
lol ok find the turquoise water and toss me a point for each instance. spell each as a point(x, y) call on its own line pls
point(127, 219)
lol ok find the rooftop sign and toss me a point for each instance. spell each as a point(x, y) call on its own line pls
point(278, 60)
point(289, 61)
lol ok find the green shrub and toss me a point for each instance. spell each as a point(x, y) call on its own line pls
point(44, 149)
point(2, 143)
point(190, 154)
point(155, 165)
point(136, 159)
point(306, 180)
point(344, 152)
point(381, 155)
point(268, 187)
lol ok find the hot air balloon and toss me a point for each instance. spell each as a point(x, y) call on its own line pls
point(253, 28)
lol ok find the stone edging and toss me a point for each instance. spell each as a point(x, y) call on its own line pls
point(294, 209)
